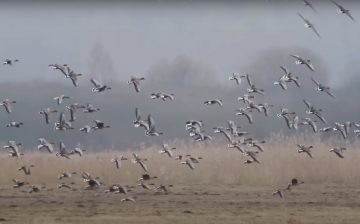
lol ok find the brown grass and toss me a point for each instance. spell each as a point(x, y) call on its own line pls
point(279, 163)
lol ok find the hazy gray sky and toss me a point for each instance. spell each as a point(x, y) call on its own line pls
point(138, 34)
point(183, 48)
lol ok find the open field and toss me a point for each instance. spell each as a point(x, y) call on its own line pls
point(221, 189)
point(310, 203)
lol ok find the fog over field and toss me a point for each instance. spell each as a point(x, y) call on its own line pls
point(189, 54)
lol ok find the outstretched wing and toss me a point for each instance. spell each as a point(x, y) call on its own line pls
point(96, 83)
point(285, 70)
point(317, 33)
point(328, 92)
point(307, 103)
point(137, 114)
point(249, 80)
point(348, 14)
point(249, 117)
point(320, 117)
point(336, 4)
point(302, 17)
point(316, 82)
point(62, 147)
point(311, 6)
point(151, 122)
point(296, 56)
point(314, 127)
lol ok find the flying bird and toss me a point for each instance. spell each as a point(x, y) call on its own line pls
point(252, 88)
point(237, 77)
point(342, 10)
point(59, 99)
point(302, 61)
point(9, 62)
point(307, 3)
point(215, 101)
point(309, 25)
point(322, 88)
point(136, 81)
point(59, 67)
point(98, 86)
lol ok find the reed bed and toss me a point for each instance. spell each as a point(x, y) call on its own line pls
point(220, 165)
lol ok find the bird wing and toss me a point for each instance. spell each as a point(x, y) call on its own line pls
point(309, 65)
point(347, 127)
point(295, 122)
point(328, 92)
point(166, 147)
point(98, 122)
point(240, 148)
point(249, 80)
point(74, 80)
point(316, 82)
point(260, 147)
point(231, 124)
point(260, 92)
point(62, 147)
point(302, 18)
point(309, 153)
point(288, 121)
point(136, 85)
point(62, 117)
point(339, 153)
point(170, 153)
point(118, 163)
point(348, 14)
point(7, 107)
point(320, 117)
point(62, 69)
point(79, 151)
point(253, 156)
point(96, 83)
point(336, 4)
point(297, 83)
point(285, 70)
point(257, 107)
point(296, 56)
point(317, 33)
point(151, 121)
point(283, 85)
point(249, 117)
point(90, 107)
point(218, 102)
point(47, 117)
point(343, 133)
point(190, 163)
point(312, 7)
point(284, 110)
point(73, 113)
point(314, 127)
point(307, 103)
point(143, 165)
point(227, 135)
point(136, 156)
point(12, 144)
point(137, 114)
point(266, 111)
point(49, 147)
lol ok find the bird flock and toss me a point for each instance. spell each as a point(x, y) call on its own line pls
point(240, 140)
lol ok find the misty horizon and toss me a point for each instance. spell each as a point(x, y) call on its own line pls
point(189, 49)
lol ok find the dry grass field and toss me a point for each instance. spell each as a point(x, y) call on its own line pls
point(221, 189)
